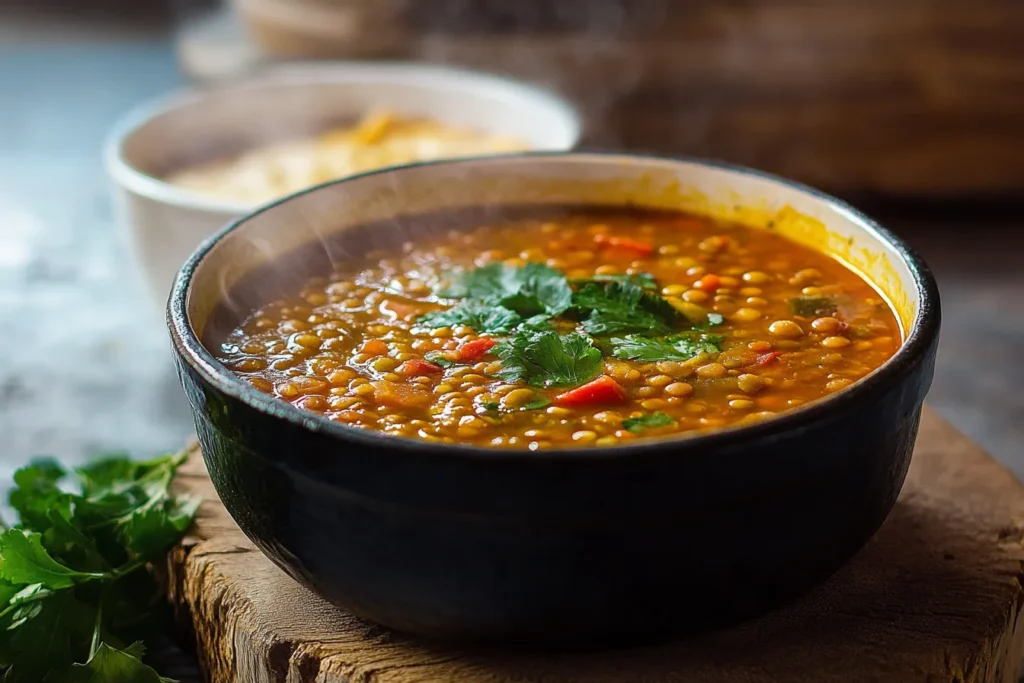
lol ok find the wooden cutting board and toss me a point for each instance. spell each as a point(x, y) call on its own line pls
point(935, 596)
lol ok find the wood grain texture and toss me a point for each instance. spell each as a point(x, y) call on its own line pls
point(935, 596)
point(915, 98)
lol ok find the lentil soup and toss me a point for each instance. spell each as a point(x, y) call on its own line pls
point(586, 327)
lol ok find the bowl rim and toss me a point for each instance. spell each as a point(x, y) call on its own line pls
point(921, 337)
point(398, 73)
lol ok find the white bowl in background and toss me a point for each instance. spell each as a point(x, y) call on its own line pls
point(166, 223)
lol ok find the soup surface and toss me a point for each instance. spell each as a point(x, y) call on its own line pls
point(596, 328)
point(380, 139)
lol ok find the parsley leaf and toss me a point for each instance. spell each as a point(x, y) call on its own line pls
point(548, 359)
point(638, 425)
point(680, 347)
point(642, 280)
point(74, 587)
point(483, 318)
point(619, 307)
point(812, 306)
point(532, 290)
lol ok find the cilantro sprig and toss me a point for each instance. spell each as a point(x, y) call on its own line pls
point(680, 347)
point(547, 359)
point(619, 307)
point(535, 289)
point(481, 317)
point(622, 311)
point(74, 590)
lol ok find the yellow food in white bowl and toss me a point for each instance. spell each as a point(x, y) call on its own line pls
point(186, 165)
point(379, 140)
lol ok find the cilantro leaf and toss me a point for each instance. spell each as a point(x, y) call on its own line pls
point(534, 289)
point(538, 289)
point(73, 577)
point(481, 317)
point(549, 359)
point(36, 491)
point(537, 403)
point(8, 590)
point(69, 543)
point(539, 323)
point(644, 281)
point(113, 486)
point(812, 306)
point(619, 307)
point(486, 282)
point(45, 635)
point(680, 347)
point(638, 425)
point(25, 560)
point(109, 665)
point(31, 593)
point(112, 471)
point(438, 358)
point(153, 530)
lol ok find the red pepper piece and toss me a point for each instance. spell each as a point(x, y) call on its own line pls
point(602, 390)
point(476, 349)
point(416, 367)
point(768, 358)
point(624, 243)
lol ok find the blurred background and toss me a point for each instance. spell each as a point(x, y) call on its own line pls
point(912, 110)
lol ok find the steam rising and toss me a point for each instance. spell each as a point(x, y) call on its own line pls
point(585, 50)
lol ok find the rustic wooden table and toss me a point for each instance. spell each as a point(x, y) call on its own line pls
point(86, 366)
point(934, 596)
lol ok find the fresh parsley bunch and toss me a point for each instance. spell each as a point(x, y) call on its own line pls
point(76, 598)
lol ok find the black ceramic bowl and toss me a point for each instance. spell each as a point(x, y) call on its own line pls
point(580, 545)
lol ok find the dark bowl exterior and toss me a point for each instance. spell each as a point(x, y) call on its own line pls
point(683, 538)
point(576, 547)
